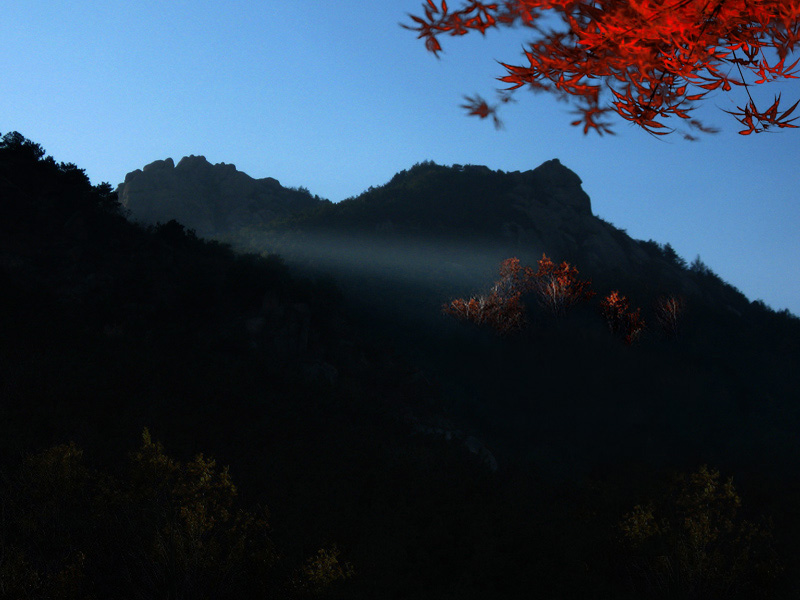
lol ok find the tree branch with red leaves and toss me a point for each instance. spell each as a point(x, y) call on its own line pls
point(653, 60)
point(621, 320)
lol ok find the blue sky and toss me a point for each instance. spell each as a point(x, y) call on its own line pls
point(336, 97)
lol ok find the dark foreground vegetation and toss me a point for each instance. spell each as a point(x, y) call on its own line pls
point(129, 357)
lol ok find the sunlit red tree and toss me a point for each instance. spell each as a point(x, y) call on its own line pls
point(514, 277)
point(648, 61)
point(558, 287)
point(668, 313)
point(505, 314)
point(621, 320)
point(502, 308)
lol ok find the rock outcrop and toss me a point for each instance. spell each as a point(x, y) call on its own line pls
point(401, 229)
point(555, 186)
point(555, 213)
point(210, 199)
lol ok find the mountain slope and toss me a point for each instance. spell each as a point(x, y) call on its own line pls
point(514, 481)
point(401, 250)
point(455, 224)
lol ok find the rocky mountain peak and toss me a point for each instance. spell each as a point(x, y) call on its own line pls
point(159, 165)
point(195, 162)
point(209, 198)
point(554, 185)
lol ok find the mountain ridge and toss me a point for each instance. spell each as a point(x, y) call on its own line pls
point(518, 213)
point(206, 198)
point(505, 461)
point(433, 233)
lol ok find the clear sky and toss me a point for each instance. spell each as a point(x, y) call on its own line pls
point(336, 97)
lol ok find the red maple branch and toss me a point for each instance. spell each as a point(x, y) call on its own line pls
point(657, 59)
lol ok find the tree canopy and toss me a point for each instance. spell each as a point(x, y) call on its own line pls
point(646, 60)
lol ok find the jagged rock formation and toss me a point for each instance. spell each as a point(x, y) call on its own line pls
point(556, 214)
point(207, 198)
point(554, 185)
point(448, 226)
point(451, 226)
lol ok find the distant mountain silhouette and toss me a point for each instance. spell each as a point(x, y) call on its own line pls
point(438, 458)
point(432, 233)
point(210, 199)
point(525, 213)
point(450, 226)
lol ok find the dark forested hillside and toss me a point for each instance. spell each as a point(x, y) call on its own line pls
point(159, 392)
point(717, 386)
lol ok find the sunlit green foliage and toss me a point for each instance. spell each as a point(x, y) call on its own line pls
point(322, 571)
point(694, 544)
point(157, 529)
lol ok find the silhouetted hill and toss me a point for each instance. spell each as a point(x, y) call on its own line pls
point(558, 462)
point(109, 327)
point(451, 226)
point(209, 199)
point(432, 233)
